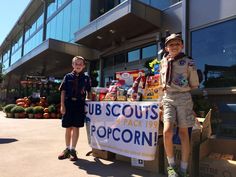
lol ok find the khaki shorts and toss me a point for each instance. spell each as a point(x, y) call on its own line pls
point(178, 108)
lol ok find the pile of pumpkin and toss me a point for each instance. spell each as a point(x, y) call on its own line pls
point(32, 108)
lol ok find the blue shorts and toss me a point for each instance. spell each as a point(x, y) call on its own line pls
point(75, 114)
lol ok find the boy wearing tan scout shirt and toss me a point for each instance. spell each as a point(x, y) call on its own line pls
point(178, 77)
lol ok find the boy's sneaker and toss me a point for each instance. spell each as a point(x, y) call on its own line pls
point(183, 174)
point(65, 154)
point(73, 155)
point(172, 172)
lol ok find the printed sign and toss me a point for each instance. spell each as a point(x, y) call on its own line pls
point(126, 128)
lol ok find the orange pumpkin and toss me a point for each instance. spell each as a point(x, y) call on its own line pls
point(53, 115)
point(26, 105)
point(20, 104)
point(20, 100)
point(45, 110)
point(46, 115)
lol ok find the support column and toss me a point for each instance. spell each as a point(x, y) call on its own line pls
point(45, 11)
point(185, 25)
point(101, 73)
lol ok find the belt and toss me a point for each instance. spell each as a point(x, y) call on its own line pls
point(72, 98)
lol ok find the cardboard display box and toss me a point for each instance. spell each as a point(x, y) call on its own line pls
point(220, 166)
point(103, 154)
point(205, 124)
point(156, 165)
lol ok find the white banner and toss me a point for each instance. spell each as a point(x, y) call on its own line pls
point(126, 128)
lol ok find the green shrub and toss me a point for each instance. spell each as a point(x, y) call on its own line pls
point(52, 109)
point(17, 109)
point(7, 108)
point(29, 110)
point(38, 110)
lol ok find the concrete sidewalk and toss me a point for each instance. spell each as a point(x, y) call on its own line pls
point(29, 148)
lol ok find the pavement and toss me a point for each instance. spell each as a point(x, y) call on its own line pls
point(29, 148)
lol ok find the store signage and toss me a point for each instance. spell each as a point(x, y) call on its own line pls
point(126, 128)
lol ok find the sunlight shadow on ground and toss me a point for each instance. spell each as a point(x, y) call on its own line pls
point(97, 167)
point(7, 140)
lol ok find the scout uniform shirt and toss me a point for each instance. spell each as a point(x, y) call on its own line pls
point(179, 74)
point(75, 86)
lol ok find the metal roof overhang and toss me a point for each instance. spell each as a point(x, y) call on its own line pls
point(51, 58)
point(126, 21)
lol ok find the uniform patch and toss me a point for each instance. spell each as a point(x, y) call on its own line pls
point(180, 80)
point(191, 63)
point(182, 62)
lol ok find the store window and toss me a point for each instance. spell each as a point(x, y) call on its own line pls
point(214, 49)
point(109, 62)
point(134, 55)
point(150, 51)
point(120, 59)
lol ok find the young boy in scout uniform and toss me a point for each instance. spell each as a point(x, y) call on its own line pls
point(178, 77)
point(74, 88)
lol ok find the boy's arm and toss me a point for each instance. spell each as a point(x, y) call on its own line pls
point(193, 76)
point(62, 89)
point(63, 109)
point(88, 88)
point(89, 95)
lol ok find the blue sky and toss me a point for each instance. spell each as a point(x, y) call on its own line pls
point(10, 11)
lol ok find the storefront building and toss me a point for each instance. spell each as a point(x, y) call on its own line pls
point(121, 35)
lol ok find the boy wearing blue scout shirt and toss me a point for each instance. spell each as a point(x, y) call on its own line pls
point(74, 88)
point(178, 77)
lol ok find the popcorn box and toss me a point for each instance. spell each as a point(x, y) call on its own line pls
point(128, 77)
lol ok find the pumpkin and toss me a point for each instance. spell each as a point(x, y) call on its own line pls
point(46, 115)
point(20, 103)
point(20, 100)
point(53, 115)
point(45, 110)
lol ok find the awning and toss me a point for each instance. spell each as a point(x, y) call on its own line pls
point(51, 58)
point(126, 21)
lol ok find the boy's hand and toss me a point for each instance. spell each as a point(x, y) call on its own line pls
point(63, 109)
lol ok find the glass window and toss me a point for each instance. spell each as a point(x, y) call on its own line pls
point(66, 28)
point(108, 62)
point(33, 28)
point(16, 56)
point(84, 13)
point(33, 42)
point(120, 59)
point(134, 55)
point(40, 21)
point(74, 18)
point(27, 34)
point(150, 51)
point(59, 25)
point(75, 15)
point(52, 8)
point(214, 50)
point(6, 64)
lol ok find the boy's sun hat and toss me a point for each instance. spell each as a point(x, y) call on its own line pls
point(172, 37)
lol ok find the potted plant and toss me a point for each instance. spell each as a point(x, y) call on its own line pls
point(30, 112)
point(38, 111)
point(18, 111)
point(7, 110)
point(52, 110)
